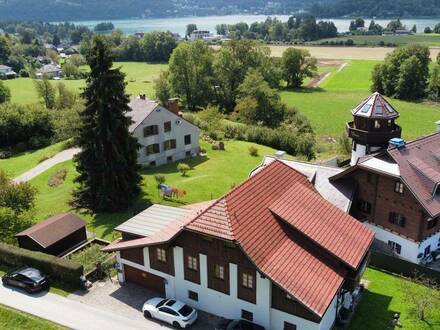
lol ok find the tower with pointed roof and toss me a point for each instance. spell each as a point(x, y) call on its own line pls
point(373, 126)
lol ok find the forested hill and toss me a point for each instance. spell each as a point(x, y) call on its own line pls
point(60, 10)
point(377, 8)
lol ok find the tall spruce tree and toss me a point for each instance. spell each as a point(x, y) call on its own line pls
point(107, 164)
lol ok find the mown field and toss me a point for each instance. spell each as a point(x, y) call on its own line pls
point(329, 107)
point(384, 298)
point(139, 78)
point(432, 40)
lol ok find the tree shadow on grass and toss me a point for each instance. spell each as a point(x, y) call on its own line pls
point(373, 312)
point(172, 167)
point(303, 90)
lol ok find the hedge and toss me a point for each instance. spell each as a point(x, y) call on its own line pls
point(401, 267)
point(67, 271)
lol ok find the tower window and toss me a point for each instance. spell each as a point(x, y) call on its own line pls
point(377, 124)
point(398, 187)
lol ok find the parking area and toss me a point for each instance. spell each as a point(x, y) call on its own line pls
point(127, 300)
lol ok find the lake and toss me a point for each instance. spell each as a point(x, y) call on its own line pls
point(131, 26)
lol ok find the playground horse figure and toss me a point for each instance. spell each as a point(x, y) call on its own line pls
point(177, 193)
point(171, 192)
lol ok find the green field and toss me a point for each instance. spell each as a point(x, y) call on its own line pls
point(383, 299)
point(139, 77)
point(420, 38)
point(22, 162)
point(12, 319)
point(209, 178)
point(329, 107)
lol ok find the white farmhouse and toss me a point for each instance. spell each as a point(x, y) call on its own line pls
point(163, 134)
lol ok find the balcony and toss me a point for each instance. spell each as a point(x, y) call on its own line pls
point(373, 137)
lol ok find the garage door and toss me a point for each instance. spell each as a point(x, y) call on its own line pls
point(145, 279)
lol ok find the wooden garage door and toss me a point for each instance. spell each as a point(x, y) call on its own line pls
point(145, 279)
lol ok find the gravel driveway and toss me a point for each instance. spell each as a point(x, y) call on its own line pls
point(127, 300)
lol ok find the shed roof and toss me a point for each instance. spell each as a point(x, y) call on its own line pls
point(53, 229)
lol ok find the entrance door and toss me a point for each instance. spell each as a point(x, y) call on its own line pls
point(145, 279)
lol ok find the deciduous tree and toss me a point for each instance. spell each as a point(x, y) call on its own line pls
point(5, 93)
point(297, 64)
point(46, 91)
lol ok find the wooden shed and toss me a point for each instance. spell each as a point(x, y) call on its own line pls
point(56, 235)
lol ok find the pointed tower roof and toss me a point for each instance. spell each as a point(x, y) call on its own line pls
point(375, 106)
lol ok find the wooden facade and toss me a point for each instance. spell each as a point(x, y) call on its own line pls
point(379, 191)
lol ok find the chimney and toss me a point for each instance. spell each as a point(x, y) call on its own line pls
point(396, 143)
point(173, 106)
point(438, 126)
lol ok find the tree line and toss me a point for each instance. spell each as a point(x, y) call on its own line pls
point(297, 28)
point(405, 74)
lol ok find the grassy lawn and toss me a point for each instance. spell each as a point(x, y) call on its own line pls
point(22, 162)
point(139, 77)
point(343, 90)
point(384, 298)
point(209, 178)
point(420, 38)
point(13, 319)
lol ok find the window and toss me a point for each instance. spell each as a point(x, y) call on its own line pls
point(161, 255)
point(153, 163)
point(427, 250)
point(167, 126)
point(187, 139)
point(169, 144)
point(188, 154)
point(167, 310)
point(397, 219)
point(398, 187)
point(248, 281)
point(364, 207)
point(376, 124)
point(152, 149)
point(151, 130)
point(169, 159)
point(247, 315)
point(193, 295)
point(432, 223)
point(395, 247)
point(354, 145)
point(219, 272)
point(289, 297)
point(192, 263)
point(289, 326)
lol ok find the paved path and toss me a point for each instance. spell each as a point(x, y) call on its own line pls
point(60, 157)
point(70, 313)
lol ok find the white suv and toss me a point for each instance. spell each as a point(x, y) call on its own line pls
point(171, 311)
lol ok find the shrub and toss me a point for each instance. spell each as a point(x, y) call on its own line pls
point(61, 269)
point(57, 178)
point(160, 179)
point(253, 151)
point(183, 168)
point(5, 154)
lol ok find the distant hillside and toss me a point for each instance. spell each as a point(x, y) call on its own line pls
point(60, 10)
point(377, 8)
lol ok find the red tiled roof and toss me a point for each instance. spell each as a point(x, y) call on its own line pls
point(53, 229)
point(419, 164)
point(244, 214)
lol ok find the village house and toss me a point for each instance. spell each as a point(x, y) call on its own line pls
point(397, 182)
point(163, 134)
point(6, 72)
point(51, 71)
point(272, 251)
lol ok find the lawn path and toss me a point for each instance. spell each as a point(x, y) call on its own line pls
point(60, 157)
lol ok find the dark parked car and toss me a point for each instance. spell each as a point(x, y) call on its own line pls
point(237, 325)
point(27, 278)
